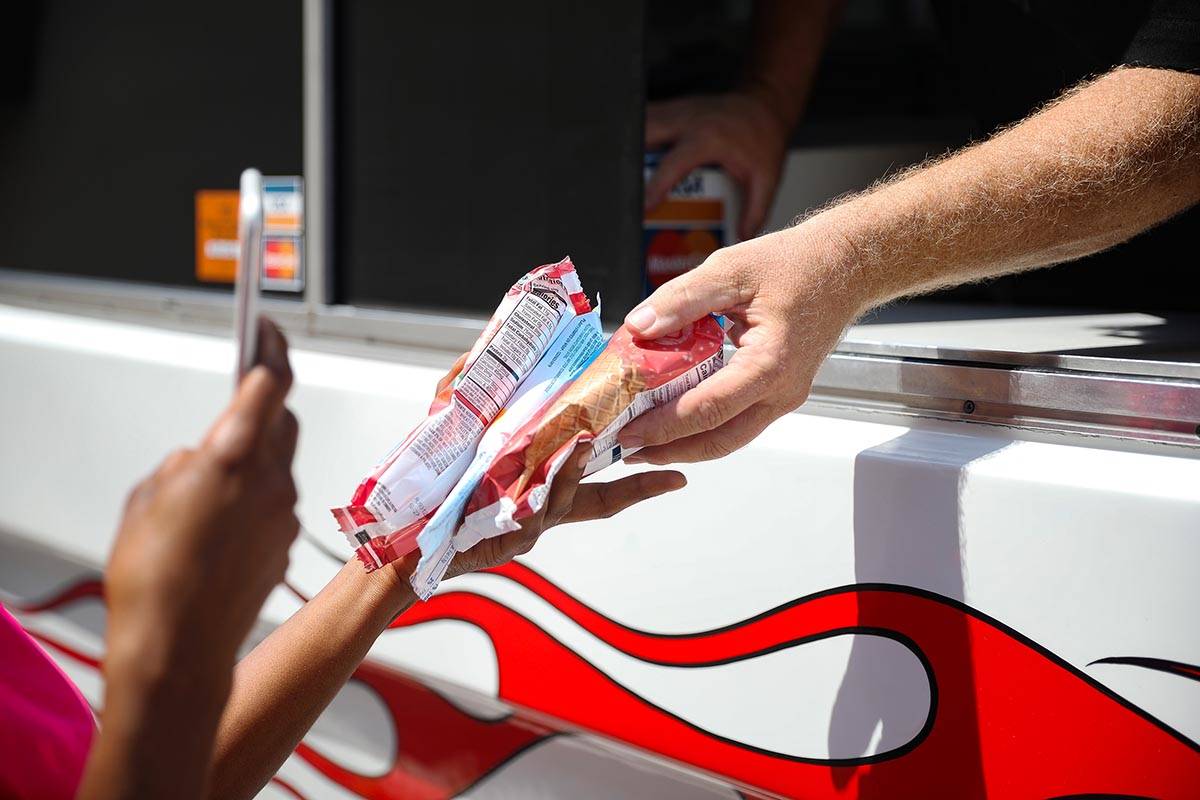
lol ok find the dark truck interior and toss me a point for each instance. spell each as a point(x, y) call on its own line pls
point(112, 117)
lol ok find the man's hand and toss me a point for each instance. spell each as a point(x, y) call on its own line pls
point(1107, 160)
point(746, 131)
point(569, 501)
point(740, 132)
point(787, 310)
point(205, 538)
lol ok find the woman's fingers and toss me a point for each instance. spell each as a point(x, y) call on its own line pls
point(564, 489)
point(285, 433)
point(244, 425)
point(602, 500)
point(255, 412)
point(505, 547)
point(273, 350)
point(447, 381)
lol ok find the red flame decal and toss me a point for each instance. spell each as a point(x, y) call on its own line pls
point(90, 587)
point(441, 750)
point(287, 787)
point(1007, 717)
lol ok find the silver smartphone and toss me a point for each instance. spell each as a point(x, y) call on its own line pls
point(249, 271)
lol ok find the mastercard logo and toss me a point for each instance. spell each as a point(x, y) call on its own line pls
point(281, 259)
point(671, 253)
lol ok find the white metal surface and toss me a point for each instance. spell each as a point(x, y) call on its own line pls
point(1088, 551)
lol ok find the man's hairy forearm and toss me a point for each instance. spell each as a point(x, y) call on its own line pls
point(1108, 160)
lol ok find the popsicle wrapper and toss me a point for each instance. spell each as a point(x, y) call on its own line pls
point(626, 379)
point(399, 496)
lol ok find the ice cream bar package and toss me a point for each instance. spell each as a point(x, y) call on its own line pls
point(403, 490)
point(627, 378)
point(566, 358)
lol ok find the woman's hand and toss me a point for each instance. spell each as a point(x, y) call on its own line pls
point(205, 537)
point(569, 501)
point(445, 386)
point(202, 542)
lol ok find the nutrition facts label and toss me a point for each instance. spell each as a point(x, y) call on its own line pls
point(508, 357)
point(445, 440)
point(490, 381)
point(419, 473)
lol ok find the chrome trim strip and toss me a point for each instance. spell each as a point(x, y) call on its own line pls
point(213, 308)
point(1071, 361)
point(1123, 406)
point(1149, 407)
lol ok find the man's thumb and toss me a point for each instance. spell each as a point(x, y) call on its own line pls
point(681, 300)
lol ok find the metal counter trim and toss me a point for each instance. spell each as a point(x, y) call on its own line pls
point(1093, 396)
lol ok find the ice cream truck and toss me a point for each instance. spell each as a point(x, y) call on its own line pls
point(966, 567)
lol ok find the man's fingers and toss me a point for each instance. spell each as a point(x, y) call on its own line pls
point(674, 167)
point(663, 124)
point(714, 444)
point(601, 500)
point(760, 191)
point(255, 407)
point(711, 404)
point(707, 289)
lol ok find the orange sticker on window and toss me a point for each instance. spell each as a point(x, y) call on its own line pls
point(216, 235)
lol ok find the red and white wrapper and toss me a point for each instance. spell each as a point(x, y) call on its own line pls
point(627, 378)
point(392, 503)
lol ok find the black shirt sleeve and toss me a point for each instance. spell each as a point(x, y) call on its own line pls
point(1168, 38)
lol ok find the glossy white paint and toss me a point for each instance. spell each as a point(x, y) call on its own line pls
point(356, 731)
point(99, 403)
point(1036, 333)
point(308, 781)
point(1089, 551)
point(784, 701)
point(585, 768)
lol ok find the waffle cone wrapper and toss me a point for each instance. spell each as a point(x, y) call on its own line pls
point(628, 377)
point(396, 499)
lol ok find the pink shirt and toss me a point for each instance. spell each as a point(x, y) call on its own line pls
point(46, 726)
